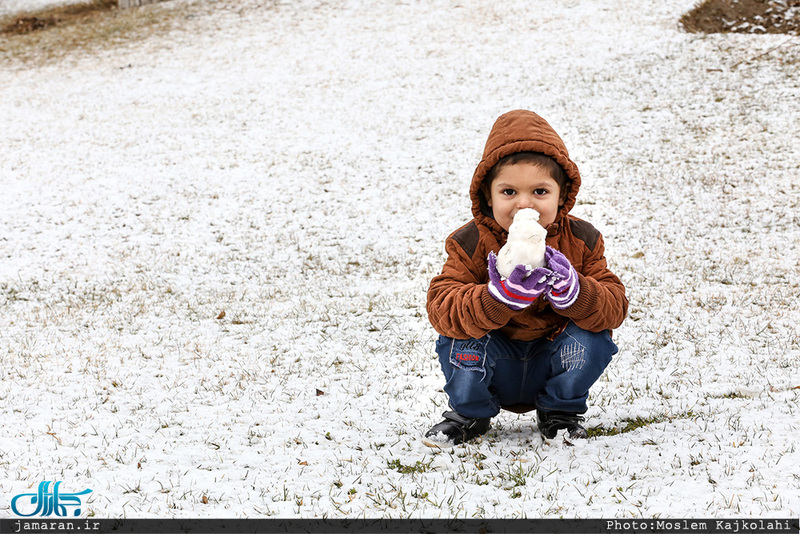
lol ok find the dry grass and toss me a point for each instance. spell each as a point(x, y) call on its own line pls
point(52, 34)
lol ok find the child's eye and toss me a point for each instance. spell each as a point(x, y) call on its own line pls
point(540, 192)
point(508, 192)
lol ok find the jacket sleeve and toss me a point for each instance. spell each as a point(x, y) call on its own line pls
point(601, 303)
point(459, 303)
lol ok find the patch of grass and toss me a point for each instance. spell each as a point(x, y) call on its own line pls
point(418, 467)
point(731, 395)
point(629, 425)
point(12, 294)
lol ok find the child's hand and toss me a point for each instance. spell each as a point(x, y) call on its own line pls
point(564, 285)
point(522, 286)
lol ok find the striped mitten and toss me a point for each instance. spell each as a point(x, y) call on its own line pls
point(564, 285)
point(522, 286)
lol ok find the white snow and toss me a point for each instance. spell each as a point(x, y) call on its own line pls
point(525, 244)
point(298, 166)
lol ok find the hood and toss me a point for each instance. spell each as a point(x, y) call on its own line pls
point(521, 131)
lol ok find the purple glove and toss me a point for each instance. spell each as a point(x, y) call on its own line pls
point(521, 288)
point(564, 285)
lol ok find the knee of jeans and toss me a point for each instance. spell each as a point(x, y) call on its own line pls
point(572, 355)
point(581, 346)
point(606, 345)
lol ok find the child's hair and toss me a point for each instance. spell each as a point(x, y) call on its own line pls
point(537, 159)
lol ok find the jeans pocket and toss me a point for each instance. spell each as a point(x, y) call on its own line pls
point(469, 354)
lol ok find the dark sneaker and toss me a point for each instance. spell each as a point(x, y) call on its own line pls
point(455, 429)
point(550, 423)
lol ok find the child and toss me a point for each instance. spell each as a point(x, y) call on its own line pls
point(541, 338)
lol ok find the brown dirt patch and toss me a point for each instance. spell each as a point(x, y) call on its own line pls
point(29, 24)
point(744, 16)
point(63, 15)
point(59, 32)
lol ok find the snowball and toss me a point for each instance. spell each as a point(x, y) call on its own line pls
point(525, 245)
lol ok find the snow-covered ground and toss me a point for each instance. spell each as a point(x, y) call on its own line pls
point(297, 166)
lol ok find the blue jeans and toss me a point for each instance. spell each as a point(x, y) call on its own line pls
point(483, 375)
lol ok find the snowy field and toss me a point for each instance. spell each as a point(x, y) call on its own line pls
point(215, 248)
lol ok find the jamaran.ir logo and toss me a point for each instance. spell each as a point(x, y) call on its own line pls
point(49, 502)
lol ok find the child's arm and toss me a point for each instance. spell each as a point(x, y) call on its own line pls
point(459, 303)
point(601, 303)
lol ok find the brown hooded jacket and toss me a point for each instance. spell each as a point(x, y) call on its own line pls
point(459, 303)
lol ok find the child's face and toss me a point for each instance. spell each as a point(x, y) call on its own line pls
point(523, 185)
